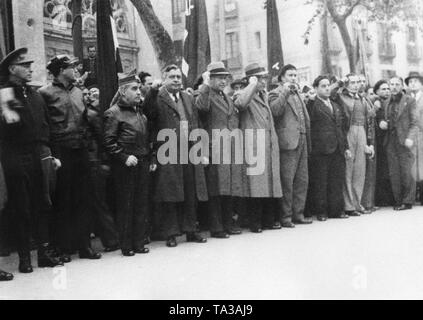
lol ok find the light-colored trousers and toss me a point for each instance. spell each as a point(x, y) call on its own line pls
point(355, 174)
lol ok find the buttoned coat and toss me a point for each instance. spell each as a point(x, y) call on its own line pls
point(287, 121)
point(219, 113)
point(163, 114)
point(255, 114)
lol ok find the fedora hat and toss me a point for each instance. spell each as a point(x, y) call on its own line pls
point(413, 75)
point(16, 57)
point(254, 70)
point(217, 69)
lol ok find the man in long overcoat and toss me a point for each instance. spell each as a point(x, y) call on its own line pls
point(260, 188)
point(181, 184)
point(224, 180)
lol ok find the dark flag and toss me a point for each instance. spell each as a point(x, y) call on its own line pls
point(78, 50)
point(274, 42)
point(197, 41)
point(108, 58)
point(6, 28)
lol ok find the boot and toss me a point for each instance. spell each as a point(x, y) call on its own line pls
point(47, 258)
point(25, 262)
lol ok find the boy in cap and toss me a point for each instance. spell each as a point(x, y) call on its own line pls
point(24, 136)
point(68, 128)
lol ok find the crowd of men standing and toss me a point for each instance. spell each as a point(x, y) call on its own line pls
point(336, 150)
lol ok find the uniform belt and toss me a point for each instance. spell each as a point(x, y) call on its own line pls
point(358, 123)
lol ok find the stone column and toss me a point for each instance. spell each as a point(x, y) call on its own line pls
point(29, 32)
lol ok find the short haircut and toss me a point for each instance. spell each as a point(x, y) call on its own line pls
point(170, 67)
point(399, 78)
point(349, 76)
point(319, 79)
point(286, 68)
point(379, 84)
point(91, 47)
point(143, 75)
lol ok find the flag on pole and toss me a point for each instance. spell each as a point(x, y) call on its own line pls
point(78, 43)
point(361, 59)
point(7, 43)
point(108, 58)
point(197, 54)
point(274, 42)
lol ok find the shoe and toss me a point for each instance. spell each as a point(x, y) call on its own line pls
point(256, 230)
point(142, 250)
point(288, 225)
point(147, 241)
point(25, 265)
point(303, 221)
point(111, 249)
point(366, 212)
point(353, 213)
point(89, 254)
point(47, 258)
point(322, 218)
point(276, 226)
point(195, 237)
point(171, 242)
point(374, 209)
point(65, 258)
point(128, 253)
point(342, 216)
point(404, 207)
point(5, 276)
point(234, 232)
point(220, 235)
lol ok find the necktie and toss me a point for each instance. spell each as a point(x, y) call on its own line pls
point(175, 97)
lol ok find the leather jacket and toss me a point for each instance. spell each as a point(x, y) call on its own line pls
point(126, 132)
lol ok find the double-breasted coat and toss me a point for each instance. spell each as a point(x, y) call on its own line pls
point(219, 113)
point(255, 114)
point(163, 114)
point(419, 139)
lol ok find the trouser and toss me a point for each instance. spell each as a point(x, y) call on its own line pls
point(400, 162)
point(384, 195)
point(294, 177)
point(328, 175)
point(181, 217)
point(355, 173)
point(70, 202)
point(132, 202)
point(104, 220)
point(368, 198)
point(262, 212)
point(24, 185)
point(220, 214)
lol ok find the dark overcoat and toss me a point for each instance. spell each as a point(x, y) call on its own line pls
point(163, 114)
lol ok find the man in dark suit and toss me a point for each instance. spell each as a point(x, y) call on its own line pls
point(90, 66)
point(179, 184)
point(401, 123)
point(329, 149)
point(292, 124)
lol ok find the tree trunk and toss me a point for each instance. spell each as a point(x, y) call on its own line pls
point(326, 58)
point(159, 37)
point(346, 39)
point(78, 47)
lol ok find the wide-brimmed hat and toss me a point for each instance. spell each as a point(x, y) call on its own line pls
point(414, 75)
point(16, 57)
point(217, 69)
point(255, 70)
point(243, 82)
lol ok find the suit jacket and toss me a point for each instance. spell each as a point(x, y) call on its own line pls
point(406, 122)
point(218, 112)
point(287, 122)
point(163, 114)
point(328, 129)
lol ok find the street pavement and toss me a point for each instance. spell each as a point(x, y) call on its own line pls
point(379, 256)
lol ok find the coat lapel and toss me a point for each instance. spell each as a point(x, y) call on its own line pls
point(401, 107)
point(167, 100)
point(325, 109)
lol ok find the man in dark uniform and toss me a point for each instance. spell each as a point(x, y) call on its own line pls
point(68, 130)
point(400, 122)
point(329, 150)
point(179, 186)
point(24, 136)
point(126, 139)
point(90, 67)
